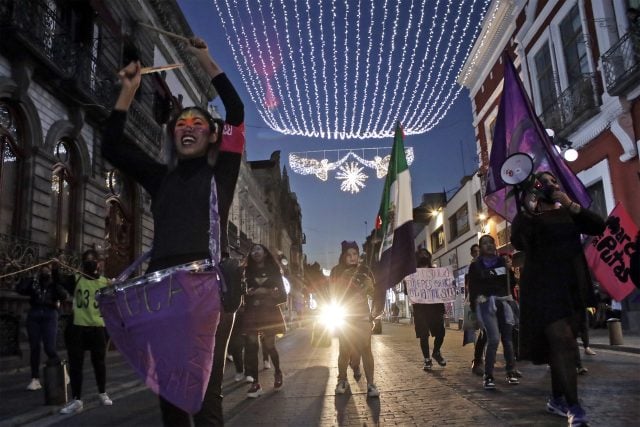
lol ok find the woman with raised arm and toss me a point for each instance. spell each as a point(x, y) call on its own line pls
point(183, 197)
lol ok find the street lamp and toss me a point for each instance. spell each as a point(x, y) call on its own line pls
point(563, 146)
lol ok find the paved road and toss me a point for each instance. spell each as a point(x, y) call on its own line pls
point(409, 396)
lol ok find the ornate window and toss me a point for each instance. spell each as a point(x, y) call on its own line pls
point(119, 224)
point(10, 165)
point(62, 195)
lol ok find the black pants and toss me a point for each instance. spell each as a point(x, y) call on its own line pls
point(211, 412)
point(42, 327)
point(79, 339)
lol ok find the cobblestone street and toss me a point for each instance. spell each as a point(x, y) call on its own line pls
point(409, 396)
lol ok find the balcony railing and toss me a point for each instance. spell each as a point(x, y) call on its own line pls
point(621, 64)
point(143, 124)
point(37, 25)
point(575, 105)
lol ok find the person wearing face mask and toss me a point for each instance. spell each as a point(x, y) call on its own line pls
point(262, 314)
point(44, 295)
point(87, 331)
point(555, 286)
point(352, 284)
point(191, 196)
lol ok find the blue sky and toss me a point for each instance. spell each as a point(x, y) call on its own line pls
point(442, 156)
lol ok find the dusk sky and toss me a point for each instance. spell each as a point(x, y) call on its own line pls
point(443, 155)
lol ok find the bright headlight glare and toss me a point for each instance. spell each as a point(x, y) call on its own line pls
point(332, 315)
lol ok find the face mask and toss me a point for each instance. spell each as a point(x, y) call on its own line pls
point(90, 266)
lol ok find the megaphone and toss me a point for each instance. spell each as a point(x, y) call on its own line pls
point(516, 169)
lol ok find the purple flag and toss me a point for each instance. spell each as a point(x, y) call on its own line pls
point(518, 130)
point(165, 328)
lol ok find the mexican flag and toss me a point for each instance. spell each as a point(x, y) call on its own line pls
point(394, 224)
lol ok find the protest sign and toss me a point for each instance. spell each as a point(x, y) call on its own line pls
point(609, 255)
point(431, 285)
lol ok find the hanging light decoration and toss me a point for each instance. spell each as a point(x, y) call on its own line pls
point(349, 70)
point(351, 174)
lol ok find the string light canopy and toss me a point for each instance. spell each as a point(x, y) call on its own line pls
point(350, 166)
point(350, 69)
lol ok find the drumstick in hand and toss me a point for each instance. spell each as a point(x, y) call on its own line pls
point(165, 32)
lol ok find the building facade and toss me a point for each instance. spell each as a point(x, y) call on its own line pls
point(58, 82)
point(579, 61)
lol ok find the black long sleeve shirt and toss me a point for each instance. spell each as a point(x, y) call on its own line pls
point(180, 197)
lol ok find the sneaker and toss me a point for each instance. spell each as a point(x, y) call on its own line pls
point(512, 378)
point(589, 352)
point(557, 406)
point(581, 370)
point(239, 377)
point(248, 379)
point(34, 384)
point(342, 387)
point(357, 374)
point(428, 365)
point(372, 391)
point(489, 383)
point(267, 364)
point(254, 391)
point(277, 380)
point(576, 416)
point(72, 407)
point(104, 399)
point(477, 368)
point(439, 358)
point(516, 373)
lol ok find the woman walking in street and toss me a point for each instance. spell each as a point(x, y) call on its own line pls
point(191, 196)
point(554, 287)
point(490, 297)
point(351, 285)
point(262, 314)
point(429, 320)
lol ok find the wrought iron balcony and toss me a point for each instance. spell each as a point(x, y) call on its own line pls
point(38, 27)
point(94, 79)
point(621, 64)
point(575, 105)
point(143, 124)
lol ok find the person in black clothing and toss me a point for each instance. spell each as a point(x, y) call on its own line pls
point(477, 364)
point(265, 292)
point(44, 295)
point(429, 320)
point(351, 285)
point(554, 286)
point(490, 298)
point(182, 195)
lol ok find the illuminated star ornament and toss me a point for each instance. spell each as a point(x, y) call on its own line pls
point(350, 69)
point(350, 166)
point(352, 177)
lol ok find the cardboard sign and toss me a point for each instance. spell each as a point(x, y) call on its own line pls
point(609, 255)
point(431, 285)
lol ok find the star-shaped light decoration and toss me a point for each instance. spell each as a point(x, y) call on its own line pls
point(352, 177)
